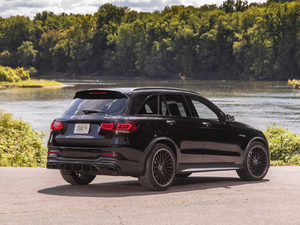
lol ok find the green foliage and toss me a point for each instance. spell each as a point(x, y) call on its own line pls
point(13, 75)
point(234, 41)
point(284, 145)
point(26, 54)
point(19, 144)
point(13, 32)
point(278, 163)
point(294, 83)
point(295, 160)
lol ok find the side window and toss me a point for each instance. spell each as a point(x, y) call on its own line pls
point(203, 111)
point(163, 110)
point(177, 105)
point(150, 107)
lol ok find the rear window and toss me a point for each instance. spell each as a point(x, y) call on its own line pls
point(177, 105)
point(93, 106)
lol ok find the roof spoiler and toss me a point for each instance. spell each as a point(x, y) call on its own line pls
point(99, 94)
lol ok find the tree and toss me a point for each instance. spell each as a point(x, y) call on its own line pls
point(14, 31)
point(26, 54)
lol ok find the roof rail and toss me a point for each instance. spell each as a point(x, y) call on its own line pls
point(163, 88)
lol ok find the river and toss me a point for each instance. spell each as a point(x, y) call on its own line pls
point(257, 103)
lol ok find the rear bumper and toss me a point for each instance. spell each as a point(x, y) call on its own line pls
point(83, 167)
point(129, 163)
point(97, 167)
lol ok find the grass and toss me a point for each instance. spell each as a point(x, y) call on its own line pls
point(30, 83)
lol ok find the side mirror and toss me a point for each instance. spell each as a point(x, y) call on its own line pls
point(229, 118)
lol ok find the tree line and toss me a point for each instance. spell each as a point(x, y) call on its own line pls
point(232, 41)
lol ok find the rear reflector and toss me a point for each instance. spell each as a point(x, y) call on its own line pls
point(51, 153)
point(110, 154)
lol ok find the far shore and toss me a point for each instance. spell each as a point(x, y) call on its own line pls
point(32, 83)
point(97, 75)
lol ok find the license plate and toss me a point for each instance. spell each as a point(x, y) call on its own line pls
point(82, 128)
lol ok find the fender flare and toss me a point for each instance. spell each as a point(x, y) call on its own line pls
point(154, 141)
point(259, 139)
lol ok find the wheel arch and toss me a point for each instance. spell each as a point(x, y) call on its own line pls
point(258, 139)
point(163, 140)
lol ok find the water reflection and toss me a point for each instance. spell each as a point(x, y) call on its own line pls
point(256, 103)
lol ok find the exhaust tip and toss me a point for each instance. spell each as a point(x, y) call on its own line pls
point(112, 170)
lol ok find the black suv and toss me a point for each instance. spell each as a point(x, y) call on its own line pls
point(154, 134)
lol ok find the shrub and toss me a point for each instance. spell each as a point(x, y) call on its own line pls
point(23, 74)
point(284, 145)
point(3, 75)
point(32, 71)
point(14, 75)
point(295, 159)
point(277, 163)
point(19, 144)
point(294, 83)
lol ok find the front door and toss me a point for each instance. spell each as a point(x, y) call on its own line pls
point(219, 137)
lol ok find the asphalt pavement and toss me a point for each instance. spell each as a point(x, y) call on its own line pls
point(41, 196)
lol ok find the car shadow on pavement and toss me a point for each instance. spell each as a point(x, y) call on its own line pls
point(133, 188)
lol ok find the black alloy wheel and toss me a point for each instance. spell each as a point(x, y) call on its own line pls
point(256, 164)
point(163, 167)
point(257, 161)
point(160, 169)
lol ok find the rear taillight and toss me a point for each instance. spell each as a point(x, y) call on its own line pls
point(126, 127)
point(57, 126)
point(107, 126)
point(120, 127)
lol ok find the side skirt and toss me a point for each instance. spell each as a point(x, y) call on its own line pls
point(208, 169)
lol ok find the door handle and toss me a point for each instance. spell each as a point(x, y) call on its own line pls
point(171, 122)
point(206, 124)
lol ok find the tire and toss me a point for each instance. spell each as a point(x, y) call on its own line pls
point(256, 164)
point(160, 169)
point(76, 178)
point(183, 175)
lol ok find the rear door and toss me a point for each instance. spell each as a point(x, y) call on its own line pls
point(218, 136)
point(181, 128)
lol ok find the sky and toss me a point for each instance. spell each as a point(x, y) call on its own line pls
point(31, 7)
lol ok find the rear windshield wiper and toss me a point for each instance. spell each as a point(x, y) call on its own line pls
point(88, 111)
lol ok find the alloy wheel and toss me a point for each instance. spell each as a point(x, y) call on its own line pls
point(163, 167)
point(257, 161)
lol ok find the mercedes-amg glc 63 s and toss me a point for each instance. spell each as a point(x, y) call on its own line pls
point(154, 134)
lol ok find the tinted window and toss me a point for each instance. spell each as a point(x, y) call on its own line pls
point(162, 107)
point(150, 107)
point(177, 105)
point(203, 111)
point(103, 106)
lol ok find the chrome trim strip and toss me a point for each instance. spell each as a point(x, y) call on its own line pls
point(209, 169)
